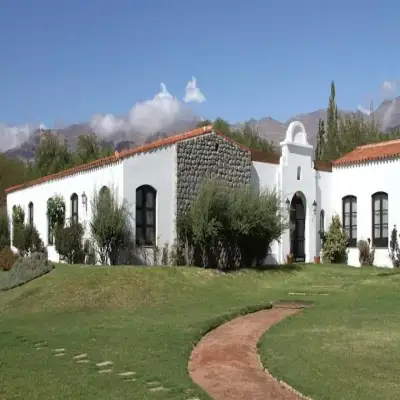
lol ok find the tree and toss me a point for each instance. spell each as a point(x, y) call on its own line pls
point(203, 123)
point(330, 150)
point(320, 140)
point(52, 156)
point(89, 148)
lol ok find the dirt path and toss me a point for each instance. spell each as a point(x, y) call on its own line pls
point(225, 362)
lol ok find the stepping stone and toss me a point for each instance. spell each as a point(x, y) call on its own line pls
point(40, 344)
point(130, 380)
point(153, 383)
point(80, 356)
point(104, 363)
point(59, 350)
point(128, 373)
point(158, 389)
point(105, 371)
point(84, 361)
point(59, 354)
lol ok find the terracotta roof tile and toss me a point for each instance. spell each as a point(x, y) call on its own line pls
point(371, 152)
point(117, 157)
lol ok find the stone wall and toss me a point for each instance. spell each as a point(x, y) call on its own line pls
point(209, 156)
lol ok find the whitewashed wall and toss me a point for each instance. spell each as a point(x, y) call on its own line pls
point(265, 176)
point(87, 182)
point(324, 202)
point(363, 181)
point(156, 168)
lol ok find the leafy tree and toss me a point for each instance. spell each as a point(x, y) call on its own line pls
point(203, 123)
point(52, 156)
point(320, 139)
point(69, 242)
point(89, 148)
point(110, 226)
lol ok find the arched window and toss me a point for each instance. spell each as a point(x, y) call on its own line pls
point(380, 221)
point(30, 214)
point(298, 173)
point(146, 215)
point(74, 208)
point(322, 222)
point(104, 193)
point(349, 209)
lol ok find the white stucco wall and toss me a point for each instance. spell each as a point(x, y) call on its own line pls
point(363, 181)
point(324, 201)
point(87, 182)
point(265, 176)
point(156, 168)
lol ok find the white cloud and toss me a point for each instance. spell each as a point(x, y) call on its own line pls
point(151, 116)
point(364, 110)
point(193, 93)
point(12, 136)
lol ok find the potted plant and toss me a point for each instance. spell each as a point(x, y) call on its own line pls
point(317, 259)
point(289, 258)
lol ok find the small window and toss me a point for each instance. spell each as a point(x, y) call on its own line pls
point(349, 209)
point(146, 215)
point(322, 221)
point(30, 214)
point(74, 208)
point(380, 222)
point(298, 173)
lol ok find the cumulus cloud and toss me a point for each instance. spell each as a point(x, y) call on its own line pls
point(193, 93)
point(151, 116)
point(364, 110)
point(13, 136)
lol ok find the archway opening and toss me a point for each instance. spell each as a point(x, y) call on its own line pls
point(298, 227)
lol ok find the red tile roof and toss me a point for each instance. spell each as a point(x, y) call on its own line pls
point(117, 157)
point(371, 152)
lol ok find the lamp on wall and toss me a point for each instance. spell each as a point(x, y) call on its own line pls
point(84, 201)
point(287, 202)
point(314, 207)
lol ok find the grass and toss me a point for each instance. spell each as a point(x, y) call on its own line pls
point(148, 319)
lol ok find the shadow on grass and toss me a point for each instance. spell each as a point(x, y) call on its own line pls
point(287, 268)
point(390, 273)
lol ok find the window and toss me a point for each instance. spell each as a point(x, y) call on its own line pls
point(146, 215)
point(322, 221)
point(30, 214)
point(380, 222)
point(298, 173)
point(350, 219)
point(74, 208)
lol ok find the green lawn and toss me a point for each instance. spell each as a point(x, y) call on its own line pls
point(147, 319)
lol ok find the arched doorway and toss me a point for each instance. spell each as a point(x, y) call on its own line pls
point(298, 225)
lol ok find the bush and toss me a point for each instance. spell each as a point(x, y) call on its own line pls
point(90, 254)
point(4, 229)
point(7, 258)
point(24, 270)
point(110, 226)
point(27, 240)
point(230, 228)
point(69, 242)
point(394, 249)
point(366, 254)
point(335, 245)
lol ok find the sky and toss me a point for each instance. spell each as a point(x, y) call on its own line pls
point(145, 63)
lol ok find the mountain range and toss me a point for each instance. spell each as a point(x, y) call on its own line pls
point(387, 115)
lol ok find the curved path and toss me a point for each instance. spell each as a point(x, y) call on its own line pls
point(226, 365)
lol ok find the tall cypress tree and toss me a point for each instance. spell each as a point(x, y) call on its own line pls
point(332, 127)
point(319, 151)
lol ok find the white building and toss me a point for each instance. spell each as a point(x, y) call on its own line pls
point(159, 179)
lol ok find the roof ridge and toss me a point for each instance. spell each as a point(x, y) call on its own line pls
point(377, 144)
point(116, 157)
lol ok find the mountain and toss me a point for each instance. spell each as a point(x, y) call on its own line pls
point(387, 115)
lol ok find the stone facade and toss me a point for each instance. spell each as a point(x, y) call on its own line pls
point(209, 156)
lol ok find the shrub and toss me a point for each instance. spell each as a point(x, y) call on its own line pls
point(4, 229)
point(230, 228)
point(335, 245)
point(24, 270)
point(366, 254)
point(27, 240)
point(69, 242)
point(394, 249)
point(110, 226)
point(90, 254)
point(18, 216)
point(7, 258)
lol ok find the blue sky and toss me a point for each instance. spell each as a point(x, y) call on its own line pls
point(67, 60)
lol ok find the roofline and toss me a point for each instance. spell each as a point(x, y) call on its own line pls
point(116, 157)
